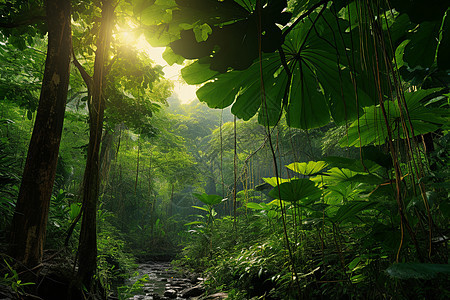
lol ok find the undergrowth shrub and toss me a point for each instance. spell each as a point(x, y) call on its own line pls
point(115, 263)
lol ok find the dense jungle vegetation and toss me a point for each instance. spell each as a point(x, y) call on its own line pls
point(314, 163)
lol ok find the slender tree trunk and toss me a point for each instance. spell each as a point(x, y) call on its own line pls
point(87, 249)
point(106, 156)
point(137, 167)
point(153, 217)
point(171, 199)
point(30, 217)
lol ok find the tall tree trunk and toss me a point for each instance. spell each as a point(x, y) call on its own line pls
point(30, 217)
point(87, 249)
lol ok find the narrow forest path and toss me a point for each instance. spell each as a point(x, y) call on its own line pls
point(165, 283)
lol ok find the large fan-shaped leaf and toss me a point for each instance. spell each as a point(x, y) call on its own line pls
point(295, 190)
point(319, 87)
point(352, 164)
point(310, 168)
point(307, 106)
point(372, 125)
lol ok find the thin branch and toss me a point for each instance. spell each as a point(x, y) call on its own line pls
point(87, 79)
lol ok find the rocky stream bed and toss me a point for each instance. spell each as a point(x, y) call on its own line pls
point(164, 283)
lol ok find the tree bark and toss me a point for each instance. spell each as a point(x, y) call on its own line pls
point(87, 249)
point(30, 217)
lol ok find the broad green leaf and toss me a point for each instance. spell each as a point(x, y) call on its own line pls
point(202, 32)
point(221, 92)
point(159, 12)
point(354, 263)
point(352, 164)
point(349, 210)
point(270, 111)
point(75, 209)
point(372, 126)
point(421, 50)
point(172, 58)
point(307, 106)
point(319, 87)
point(338, 86)
point(241, 87)
point(399, 54)
point(242, 107)
point(366, 178)
point(399, 29)
point(253, 205)
point(295, 190)
point(197, 73)
point(161, 35)
point(417, 270)
point(338, 192)
point(194, 223)
point(338, 175)
point(201, 208)
point(275, 202)
point(309, 168)
point(273, 180)
point(208, 199)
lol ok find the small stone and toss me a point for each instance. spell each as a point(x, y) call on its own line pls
point(193, 279)
point(171, 293)
point(217, 296)
point(156, 297)
point(193, 291)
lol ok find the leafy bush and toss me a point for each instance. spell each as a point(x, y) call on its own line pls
point(115, 264)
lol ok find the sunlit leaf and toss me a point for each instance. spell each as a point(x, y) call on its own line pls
point(197, 73)
point(308, 168)
point(273, 181)
point(172, 58)
point(201, 208)
point(202, 32)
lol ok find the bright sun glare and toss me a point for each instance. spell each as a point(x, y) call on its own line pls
point(183, 91)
